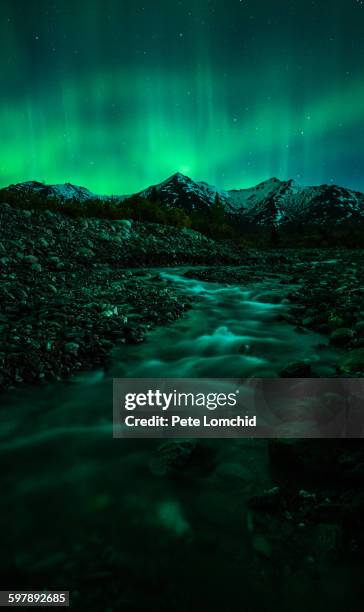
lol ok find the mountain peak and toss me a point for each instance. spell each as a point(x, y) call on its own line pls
point(178, 176)
point(271, 181)
point(181, 191)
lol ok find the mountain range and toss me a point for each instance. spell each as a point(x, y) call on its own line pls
point(64, 192)
point(270, 203)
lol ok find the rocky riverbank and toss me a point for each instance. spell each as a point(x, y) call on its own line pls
point(71, 289)
point(66, 297)
point(311, 519)
point(324, 291)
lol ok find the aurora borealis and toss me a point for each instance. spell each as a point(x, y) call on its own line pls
point(119, 94)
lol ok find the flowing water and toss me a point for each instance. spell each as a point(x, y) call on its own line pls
point(231, 331)
point(70, 491)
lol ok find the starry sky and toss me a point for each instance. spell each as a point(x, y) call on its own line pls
point(115, 95)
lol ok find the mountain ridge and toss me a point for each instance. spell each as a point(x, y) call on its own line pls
point(273, 202)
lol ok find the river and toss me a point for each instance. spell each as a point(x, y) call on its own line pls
point(76, 502)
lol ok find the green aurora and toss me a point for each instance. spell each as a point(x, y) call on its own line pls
point(116, 95)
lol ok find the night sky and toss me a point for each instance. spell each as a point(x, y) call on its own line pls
point(118, 94)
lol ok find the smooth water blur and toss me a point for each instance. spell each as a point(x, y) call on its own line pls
point(70, 491)
point(230, 332)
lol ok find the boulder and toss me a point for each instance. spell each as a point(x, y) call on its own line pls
point(71, 347)
point(353, 362)
point(30, 259)
point(36, 267)
point(298, 369)
point(341, 336)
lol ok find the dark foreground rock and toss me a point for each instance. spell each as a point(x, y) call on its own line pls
point(316, 504)
point(178, 458)
point(338, 461)
point(53, 324)
point(298, 369)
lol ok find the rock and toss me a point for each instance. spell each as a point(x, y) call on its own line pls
point(71, 347)
point(308, 321)
point(174, 455)
point(335, 320)
point(341, 336)
point(53, 323)
point(105, 236)
point(85, 252)
point(268, 501)
point(359, 329)
point(353, 362)
point(30, 259)
point(299, 369)
point(340, 459)
point(306, 495)
point(123, 223)
point(323, 328)
point(36, 267)
point(54, 260)
point(177, 456)
point(110, 312)
point(134, 335)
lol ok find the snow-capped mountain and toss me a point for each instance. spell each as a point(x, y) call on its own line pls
point(266, 203)
point(276, 203)
point(179, 191)
point(273, 203)
point(63, 192)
